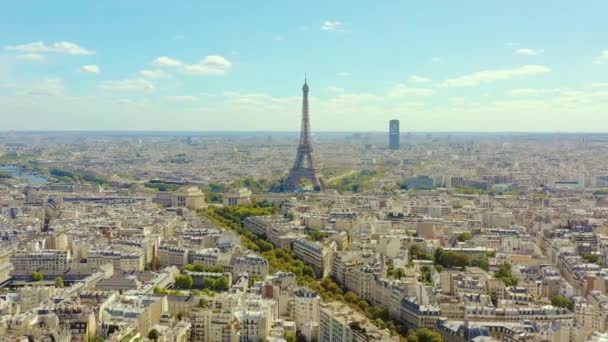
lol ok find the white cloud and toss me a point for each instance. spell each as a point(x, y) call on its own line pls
point(34, 57)
point(529, 52)
point(158, 74)
point(91, 69)
point(488, 76)
point(418, 79)
point(278, 38)
point(602, 58)
point(344, 74)
point(534, 91)
point(130, 84)
point(331, 25)
point(210, 65)
point(59, 47)
point(166, 62)
point(401, 90)
point(435, 59)
point(49, 87)
point(334, 89)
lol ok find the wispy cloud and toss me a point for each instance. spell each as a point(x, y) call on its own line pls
point(278, 38)
point(49, 87)
point(210, 65)
point(58, 47)
point(164, 61)
point(344, 74)
point(534, 91)
point(159, 74)
point(34, 57)
point(488, 76)
point(331, 25)
point(335, 89)
point(435, 59)
point(418, 79)
point(529, 52)
point(602, 58)
point(402, 90)
point(180, 98)
point(91, 69)
point(130, 84)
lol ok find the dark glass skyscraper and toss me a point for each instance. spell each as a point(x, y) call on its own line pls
point(393, 134)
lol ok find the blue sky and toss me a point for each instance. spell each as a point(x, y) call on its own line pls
point(237, 65)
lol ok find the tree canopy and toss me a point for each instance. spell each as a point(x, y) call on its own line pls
point(153, 335)
point(59, 282)
point(466, 236)
point(562, 302)
point(504, 273)
point(36, 276)
point(183, 281)
point(451, 259)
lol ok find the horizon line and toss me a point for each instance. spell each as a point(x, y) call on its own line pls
point(279, 131)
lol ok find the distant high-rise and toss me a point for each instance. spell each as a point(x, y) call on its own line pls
point(393, 134)
point(303, 167)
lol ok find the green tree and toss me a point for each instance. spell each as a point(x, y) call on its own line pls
point(416, 253)
point(504, 273)
point(592, 258)
point(411, 336)
point(222, 284)
point(466, 236)
point(59, 282)
point(428, 335)
point(381, 313)
point(425, 275)
point(451, 259)
point(290, 336)
point(352, 297)
point(153, 335)
point(482, 262)
point(562, 302)
point(160, 290)
point(315, 234)
point(183, 281)
point(363, 305)
point(36, 276)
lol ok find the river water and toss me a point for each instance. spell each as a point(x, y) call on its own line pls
point(23, 174)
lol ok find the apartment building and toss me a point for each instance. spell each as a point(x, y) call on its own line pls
point(340, 323)
point(45, 260)
point(132, 260)
point(315, 254)
point(172, 255)
point(252, 264)
point(209, 257)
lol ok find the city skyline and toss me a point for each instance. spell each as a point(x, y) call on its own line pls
point(468, 67)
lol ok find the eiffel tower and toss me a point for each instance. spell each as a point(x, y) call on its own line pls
point(303, 167)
